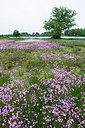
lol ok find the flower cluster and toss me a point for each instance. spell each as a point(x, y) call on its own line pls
point(53, 103)
point(28, 45)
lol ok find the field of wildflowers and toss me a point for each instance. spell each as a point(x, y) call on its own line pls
point(42, 84)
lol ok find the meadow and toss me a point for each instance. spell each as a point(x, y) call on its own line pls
point(42, 83)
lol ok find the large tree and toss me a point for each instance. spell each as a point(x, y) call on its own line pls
point(61, 19)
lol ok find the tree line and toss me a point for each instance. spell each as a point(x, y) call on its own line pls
point(75, 32)
point(25, 34)
point(16, 33)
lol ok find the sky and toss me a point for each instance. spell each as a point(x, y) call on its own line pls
point(29, 15)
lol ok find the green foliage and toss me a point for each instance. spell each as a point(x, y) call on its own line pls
point(35, 63)
point(46, 34)
point(4, 79)
point(21, 72)
point(24, 34)
point(61, 19)
point(75, 32)
point(16, 33)
point(9, 65)
point(0, 73)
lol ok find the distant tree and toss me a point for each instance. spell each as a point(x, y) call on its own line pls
point(46, 34)
point(24, 34)
point(75, 32)
point(2, 35)
point(16, 33)
point(61, 19)
point(33, 34)
point(37, 33)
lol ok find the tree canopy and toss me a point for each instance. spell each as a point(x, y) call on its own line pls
point(61, 19)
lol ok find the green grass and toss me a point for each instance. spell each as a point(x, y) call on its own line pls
point(4, 79)
point(11, 60)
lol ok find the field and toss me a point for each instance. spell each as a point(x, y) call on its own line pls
point(42, 83)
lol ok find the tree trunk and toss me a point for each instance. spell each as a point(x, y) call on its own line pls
point(56, 35)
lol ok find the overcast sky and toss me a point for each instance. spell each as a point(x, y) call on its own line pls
point(29, 15)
